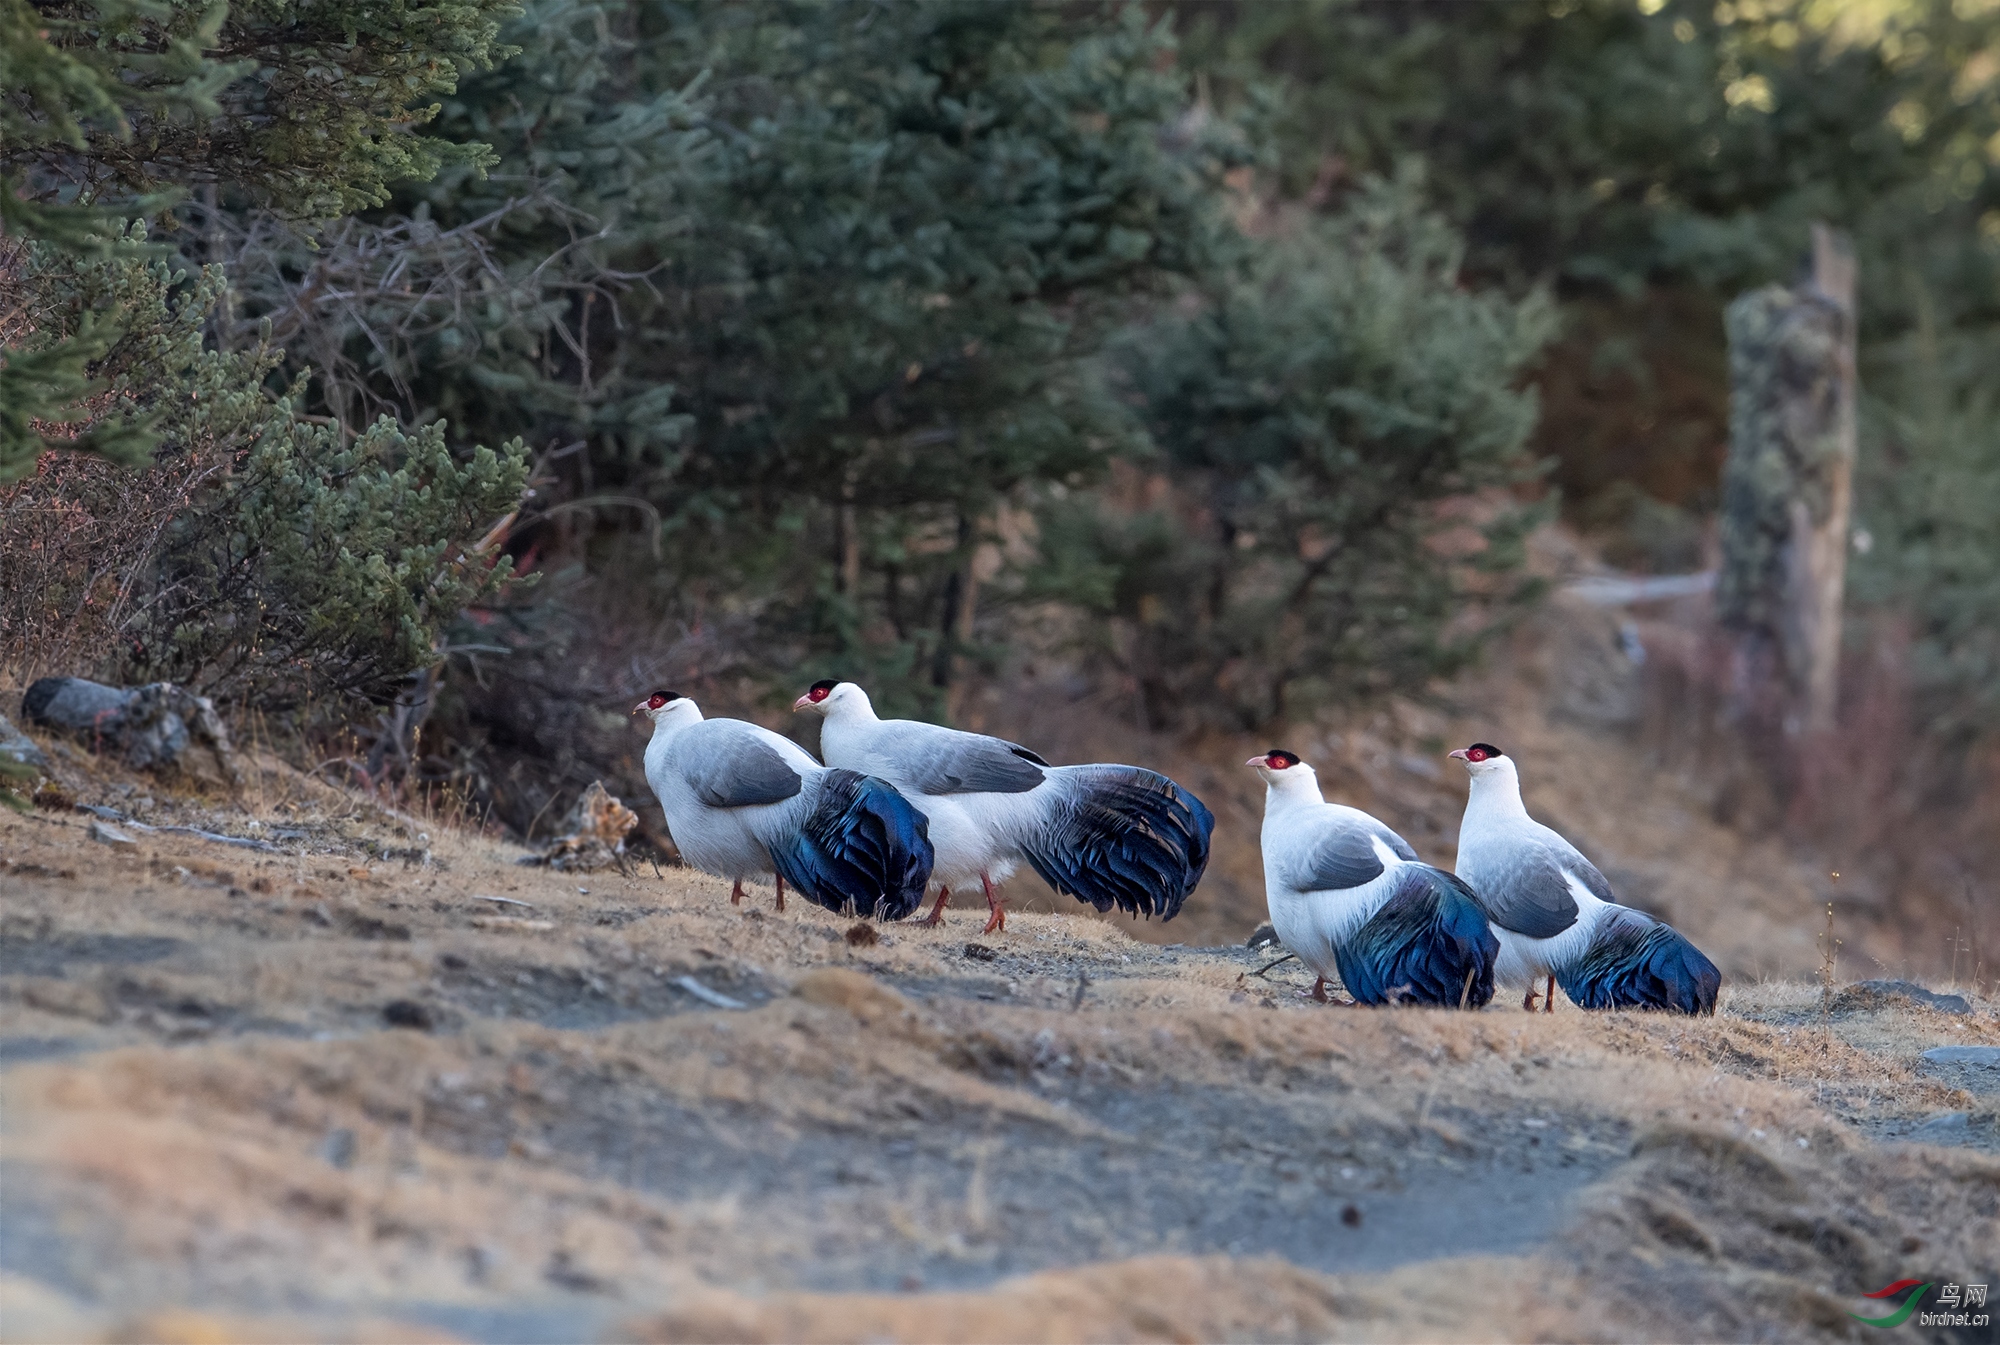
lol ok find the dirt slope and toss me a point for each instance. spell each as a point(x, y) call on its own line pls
point(214, 1129)
point(1564, 697)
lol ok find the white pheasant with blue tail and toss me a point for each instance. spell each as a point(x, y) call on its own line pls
point(1350, 899)
point(1556, 915)
point(1108, 835)
point(743, 802)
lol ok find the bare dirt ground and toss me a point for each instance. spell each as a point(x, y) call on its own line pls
point(378, 1081)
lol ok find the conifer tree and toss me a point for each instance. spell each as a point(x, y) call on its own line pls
point(111, 109)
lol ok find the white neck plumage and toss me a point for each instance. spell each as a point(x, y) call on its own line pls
point(1496, 793)
point(666, 725)
point(1289, 788)
point(851, 704)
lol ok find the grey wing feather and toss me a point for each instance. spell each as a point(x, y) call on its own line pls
point(1343, 857)
point(936, 760)
point(740, 771)
point(1586, 872)
point(1525, 891)
point(1395, 842)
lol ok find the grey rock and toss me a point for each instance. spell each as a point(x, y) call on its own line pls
point(19, 746)
point(1263, 937)
point(148, 727)
point(338, 1147)
point(408, 1013)
point(1922, 995)
point(110, 835)
point(74, 703)
point(1985, 1056)
point(1944, 1128)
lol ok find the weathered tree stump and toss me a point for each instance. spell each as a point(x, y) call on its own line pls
point(594, 837)
point(1787, 489)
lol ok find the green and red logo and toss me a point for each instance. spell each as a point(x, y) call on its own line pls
point(1902, 1314)
point(1954, 1307)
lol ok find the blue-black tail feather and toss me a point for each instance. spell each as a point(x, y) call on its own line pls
point(1428, 944)
point(1635, 962)
point(1122, 836)
point(863, 849)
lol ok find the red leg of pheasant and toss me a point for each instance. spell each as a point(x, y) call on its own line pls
point(997, 920)
point(1549, 997)
point(1318, 992)
point(736, 893)
point(781, 894)
point(936, 917)
point(1528, 1000)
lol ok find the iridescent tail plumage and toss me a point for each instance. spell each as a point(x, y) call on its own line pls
point(1428, 944)
point(1121, 836)
point(1636, 962)
point(862, 850)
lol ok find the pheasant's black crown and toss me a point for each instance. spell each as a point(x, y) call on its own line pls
point(1282, 759)
point(824, 684)
point(659, 698)
point(1488, 748)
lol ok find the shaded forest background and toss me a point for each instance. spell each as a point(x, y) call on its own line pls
point(434, 381)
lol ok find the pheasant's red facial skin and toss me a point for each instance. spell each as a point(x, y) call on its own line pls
point(655, 701)
point(1277, 759)
point(1478, 752)
point(817, 694)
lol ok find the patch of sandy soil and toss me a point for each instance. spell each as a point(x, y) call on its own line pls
point(377, 1081)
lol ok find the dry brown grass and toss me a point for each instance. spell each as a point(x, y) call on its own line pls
point(1160, 1299)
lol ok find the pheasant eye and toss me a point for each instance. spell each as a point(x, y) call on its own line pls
point(656, 700)
point(816, 695)
point(1476, 754)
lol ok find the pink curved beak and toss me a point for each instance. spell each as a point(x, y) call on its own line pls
point(1259, 760)
point(1458, 754)
point(801, 703)
point(641, 706)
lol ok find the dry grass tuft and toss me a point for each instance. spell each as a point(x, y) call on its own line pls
point(1152, 1299)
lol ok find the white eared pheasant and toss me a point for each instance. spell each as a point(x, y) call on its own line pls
point(1556, 915)
point(1350, 899)
point(743, 802)
point(1106, 835)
